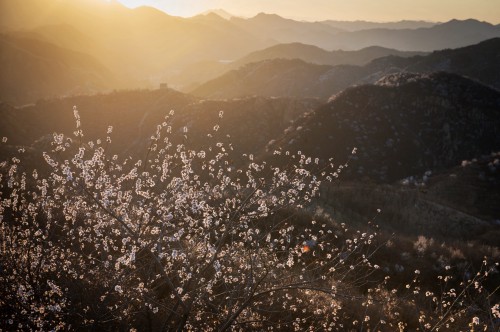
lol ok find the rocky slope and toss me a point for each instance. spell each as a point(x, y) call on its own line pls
point(405, 125)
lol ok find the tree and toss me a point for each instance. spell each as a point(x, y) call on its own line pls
point(182, 239)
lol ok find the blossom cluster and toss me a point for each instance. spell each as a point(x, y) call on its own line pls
point(182, 238)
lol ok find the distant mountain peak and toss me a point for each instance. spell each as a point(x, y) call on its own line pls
point(263, 15)
point(367, 25)
point(219, 12)
point(470, 21)
point(210, 16)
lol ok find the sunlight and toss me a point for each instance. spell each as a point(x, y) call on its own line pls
point(380, 11)
point(176, 8)
point(249, 165)
point(136, 3)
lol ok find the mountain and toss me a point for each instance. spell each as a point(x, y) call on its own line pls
point(34, 69)
point(67, 36)
point(112, 22)
point(452, 34)
point(458, 204)
point(25, 15)
point(125, 110)
point(480, 61)
point(220, 12)
point(364, 25)
point(314, 54)
point(276, 77)
point(281, 30)
point(144, 47)
point(204, 71)
point(251, 122)
point(155, 44)
point(470, 187)
point(404, 125)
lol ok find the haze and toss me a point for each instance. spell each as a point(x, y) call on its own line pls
point(249, 165)
point(381, 10)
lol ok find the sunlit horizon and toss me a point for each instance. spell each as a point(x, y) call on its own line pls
point(316, 10)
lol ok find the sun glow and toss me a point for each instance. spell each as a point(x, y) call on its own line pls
point(383, 10)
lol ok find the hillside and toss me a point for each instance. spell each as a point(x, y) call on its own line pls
point(364, 25)
point(228, 173)
point(423, 143)
point(313, 54)
point(451, 34)
point(193, 75)
point(251, 122)
point(405, 125)
point(277, 77)
point(220, 12)
point(34, 69)
point(412, 133)
point(479, 62)
point(187, 51)
point(457, 204)
point(425, 223)
point(155, 43)
point(281, 30)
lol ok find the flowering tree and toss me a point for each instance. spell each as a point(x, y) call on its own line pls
point(181, 239)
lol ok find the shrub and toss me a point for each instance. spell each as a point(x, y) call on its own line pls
point(183, 239)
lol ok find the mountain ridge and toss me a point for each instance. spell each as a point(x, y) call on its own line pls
point(201, 72)
point(365, 25)
point(159, 46)
point(405, 125)
point(59, 71)
point(479, 62)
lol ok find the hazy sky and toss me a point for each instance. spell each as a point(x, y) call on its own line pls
point(372, 10)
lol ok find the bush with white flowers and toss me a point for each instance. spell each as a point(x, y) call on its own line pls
point(181, 239)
